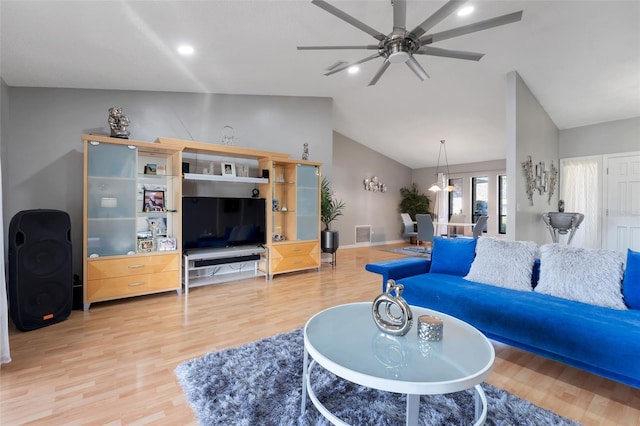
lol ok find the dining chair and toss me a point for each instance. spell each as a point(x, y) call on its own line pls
point(425, 229)
point(477, 227)
point(409, 228)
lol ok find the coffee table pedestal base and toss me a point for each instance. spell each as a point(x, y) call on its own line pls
point(413, 401)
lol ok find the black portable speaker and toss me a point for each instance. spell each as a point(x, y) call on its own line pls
point(40, 276)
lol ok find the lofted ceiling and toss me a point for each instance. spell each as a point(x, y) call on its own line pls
point(581, 59)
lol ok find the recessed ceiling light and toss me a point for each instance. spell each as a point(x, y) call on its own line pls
point(353, 69)
point(464, 11)
point(185, 49)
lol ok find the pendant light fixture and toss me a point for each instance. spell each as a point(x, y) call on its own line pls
point(435, 187)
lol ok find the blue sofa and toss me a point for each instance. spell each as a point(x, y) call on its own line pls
point(598, 339)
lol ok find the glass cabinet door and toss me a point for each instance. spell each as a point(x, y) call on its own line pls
point(111, 199)
point(307, 202)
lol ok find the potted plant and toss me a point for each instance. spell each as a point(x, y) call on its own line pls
point(414, 202)
point(330, 210)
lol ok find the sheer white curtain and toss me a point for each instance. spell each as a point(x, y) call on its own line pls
point(581, 190)
point(5, 356)
point(441, 208)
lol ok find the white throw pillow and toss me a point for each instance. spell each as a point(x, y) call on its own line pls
point(591, 276)
point(501, 263)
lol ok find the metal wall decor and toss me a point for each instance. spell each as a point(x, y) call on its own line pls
point(395, 323)
point(539, 179)
point(374, 185)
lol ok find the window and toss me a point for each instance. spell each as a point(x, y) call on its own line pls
point(479, 198)
point(502, 204)
point(455, 197)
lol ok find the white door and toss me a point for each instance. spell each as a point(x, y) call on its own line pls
point(622, 217)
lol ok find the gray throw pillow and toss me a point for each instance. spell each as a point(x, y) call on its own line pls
point(501, 263)
point(591, 276)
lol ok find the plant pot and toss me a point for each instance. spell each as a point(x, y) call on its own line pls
point(329, 241)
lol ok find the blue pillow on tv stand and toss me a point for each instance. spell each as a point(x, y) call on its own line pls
point(452, 256)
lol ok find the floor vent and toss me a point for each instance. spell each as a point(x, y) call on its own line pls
point(363, 234)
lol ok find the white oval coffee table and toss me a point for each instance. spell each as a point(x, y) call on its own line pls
point(346, 341)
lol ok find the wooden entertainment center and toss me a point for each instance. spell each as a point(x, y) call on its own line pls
point(132, 218)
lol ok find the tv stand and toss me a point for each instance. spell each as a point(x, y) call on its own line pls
point(218, 265)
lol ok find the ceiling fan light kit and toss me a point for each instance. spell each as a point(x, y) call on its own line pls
point(401, 45)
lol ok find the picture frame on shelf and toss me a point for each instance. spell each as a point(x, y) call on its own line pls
point(145, 245)
point(161, 169)
point(153, 201)
point(150, 169)
point(166, 244)
point(228, 168)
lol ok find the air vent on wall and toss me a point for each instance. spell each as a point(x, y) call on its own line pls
point(363, 234)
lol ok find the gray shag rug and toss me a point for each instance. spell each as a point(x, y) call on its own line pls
point(260, 384)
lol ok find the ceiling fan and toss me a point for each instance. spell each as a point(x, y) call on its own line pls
point(401, 45)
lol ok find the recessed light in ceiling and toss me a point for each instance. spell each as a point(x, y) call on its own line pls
point(185, 49)
point(464, 11)
point(353, 69)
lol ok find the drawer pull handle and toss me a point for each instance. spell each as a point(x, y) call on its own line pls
point(139, 283)
point(139, 265)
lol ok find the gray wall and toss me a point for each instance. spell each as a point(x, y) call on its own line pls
point(530, 131)
point(600, 139)
point(352, 163)
point(42, 147)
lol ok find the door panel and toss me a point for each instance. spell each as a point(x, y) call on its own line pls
point(622, 221)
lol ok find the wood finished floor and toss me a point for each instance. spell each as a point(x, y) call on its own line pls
point(114, 364)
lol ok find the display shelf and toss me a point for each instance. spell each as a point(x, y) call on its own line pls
point(219, 178)
point(115, 191)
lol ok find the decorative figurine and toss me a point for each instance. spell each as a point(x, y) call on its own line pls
point(118, 123)
point(398, 325)
point(228, 135)
point(305, 151)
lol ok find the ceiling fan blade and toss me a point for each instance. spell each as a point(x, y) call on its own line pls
point(417, 68)
point(434, 19)
point(345, 66)
point(472, 28)
point(369, 47)
point(381, 71)
point(399, 14)
point(447, 53)
point(349, 19)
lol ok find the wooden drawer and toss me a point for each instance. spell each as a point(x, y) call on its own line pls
point(294, 263)
point(100, 269)
point(131, 285)
point(295, 249)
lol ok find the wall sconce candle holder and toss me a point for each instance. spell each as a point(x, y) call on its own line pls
point(374, 185)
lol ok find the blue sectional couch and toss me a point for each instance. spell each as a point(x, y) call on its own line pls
point(598, 331)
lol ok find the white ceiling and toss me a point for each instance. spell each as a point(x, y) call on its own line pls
point(580, 58)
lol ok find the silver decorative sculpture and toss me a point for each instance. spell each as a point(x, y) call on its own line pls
point(228, 135)
point(395, 324)
point(560, 223)
point(305, 151)
point(118, 122)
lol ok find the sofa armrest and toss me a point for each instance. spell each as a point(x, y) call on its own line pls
point(399, 268)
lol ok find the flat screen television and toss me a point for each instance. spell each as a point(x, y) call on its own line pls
point(212, 222)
